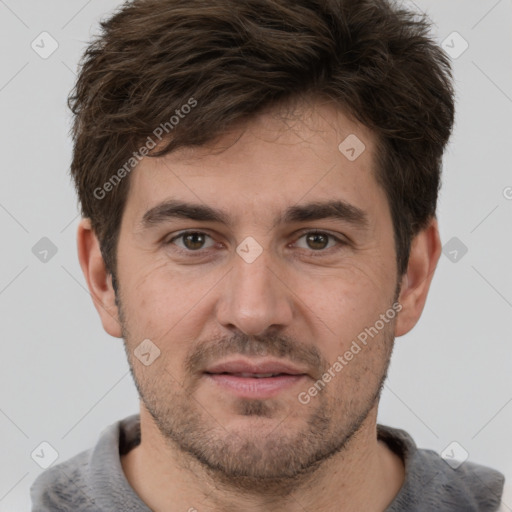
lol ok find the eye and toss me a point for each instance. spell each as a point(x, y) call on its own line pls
point(192, 241)
point(319, 240)
point(197, 241)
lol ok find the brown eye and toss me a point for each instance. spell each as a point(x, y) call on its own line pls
point(192, 241)
point(317, 241)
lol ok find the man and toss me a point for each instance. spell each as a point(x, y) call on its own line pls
point(258, 183)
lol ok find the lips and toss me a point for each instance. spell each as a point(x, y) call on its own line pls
point(253, 379)
point(255, 369)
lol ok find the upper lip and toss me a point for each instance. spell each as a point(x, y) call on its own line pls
point(255, 367)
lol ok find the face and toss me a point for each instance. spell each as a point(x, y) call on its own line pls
point(270, 255)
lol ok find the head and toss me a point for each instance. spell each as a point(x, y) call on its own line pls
point(259, 179)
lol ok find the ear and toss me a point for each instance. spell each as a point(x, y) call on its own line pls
point(425, 252)
point(98, 280)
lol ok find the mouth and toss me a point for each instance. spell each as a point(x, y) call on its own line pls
point(250, 375)
point(255, 379)
point(255, 385)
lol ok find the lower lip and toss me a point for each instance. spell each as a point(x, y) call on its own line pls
point(252, 387)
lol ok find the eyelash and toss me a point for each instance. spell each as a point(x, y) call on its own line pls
point(319, 252)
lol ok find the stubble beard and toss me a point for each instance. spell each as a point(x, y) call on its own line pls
point(258, 460)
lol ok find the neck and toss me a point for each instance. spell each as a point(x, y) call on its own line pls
point(365, 475)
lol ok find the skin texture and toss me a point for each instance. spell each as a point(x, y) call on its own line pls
point(303, 301)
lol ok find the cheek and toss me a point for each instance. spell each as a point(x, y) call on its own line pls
point(346, 300)
point(163, 304)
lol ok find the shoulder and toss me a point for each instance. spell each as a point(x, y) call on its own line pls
point(506, 499)
point(478, 487)
point(433, 483)
point(93, 479)
point(63, 487)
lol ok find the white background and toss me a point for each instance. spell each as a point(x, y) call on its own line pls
point(63, 379)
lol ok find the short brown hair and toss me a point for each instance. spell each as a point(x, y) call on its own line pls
point(234, 58)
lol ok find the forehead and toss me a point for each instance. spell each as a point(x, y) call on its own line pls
point(315, 153)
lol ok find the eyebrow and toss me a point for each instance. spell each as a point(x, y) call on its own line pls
point(336, 209)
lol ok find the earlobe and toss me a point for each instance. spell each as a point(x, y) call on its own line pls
point(425, 252)
point(98, 279)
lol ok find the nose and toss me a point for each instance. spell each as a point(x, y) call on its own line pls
point(253, 298)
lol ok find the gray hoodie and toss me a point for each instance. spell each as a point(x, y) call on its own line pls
point(93, 480)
